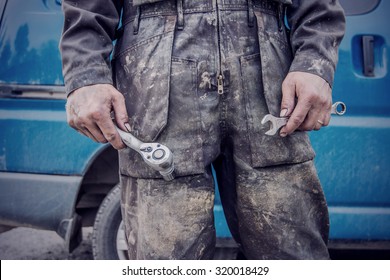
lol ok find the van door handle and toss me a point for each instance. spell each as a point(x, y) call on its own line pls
point(368, 55)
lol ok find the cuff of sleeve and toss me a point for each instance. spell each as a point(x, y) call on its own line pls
point(92, 75)
point(317, 65)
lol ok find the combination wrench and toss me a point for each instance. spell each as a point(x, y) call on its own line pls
point(338, 108)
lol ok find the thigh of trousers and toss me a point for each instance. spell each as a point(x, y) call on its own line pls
point(169, 220)
point(277, 212)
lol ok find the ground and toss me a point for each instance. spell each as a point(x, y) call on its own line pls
point(33, 244)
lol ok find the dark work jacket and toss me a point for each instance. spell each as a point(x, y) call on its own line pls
point(317, 27)
point(140, 2)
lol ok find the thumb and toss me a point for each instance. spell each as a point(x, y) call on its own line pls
point(288, 97)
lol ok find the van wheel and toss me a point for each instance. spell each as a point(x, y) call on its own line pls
point(108, 237)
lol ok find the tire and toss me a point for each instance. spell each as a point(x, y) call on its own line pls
point(108, 237)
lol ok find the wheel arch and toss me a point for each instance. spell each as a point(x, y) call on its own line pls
point(101, 175)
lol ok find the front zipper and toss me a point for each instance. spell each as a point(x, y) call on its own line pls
point(220, 83)
point(219, 75)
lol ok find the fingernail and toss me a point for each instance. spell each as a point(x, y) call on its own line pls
point(128, 127)
point(283, 134)
point(283, 113)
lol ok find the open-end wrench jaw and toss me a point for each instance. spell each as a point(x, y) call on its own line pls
point(275, 123)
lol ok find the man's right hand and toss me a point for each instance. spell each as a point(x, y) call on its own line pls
point(88, 111)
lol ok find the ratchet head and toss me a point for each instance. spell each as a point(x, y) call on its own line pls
point(160, 158)
point(156, 155)
point(275, 123)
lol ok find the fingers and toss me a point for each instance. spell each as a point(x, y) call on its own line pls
point(91, 116)
point(87, 133)
point(288, 98)
point(109, 131)
point(120, 112)
point(313, 121)
point(313, 105)
point(297, 117)
point(323, 119)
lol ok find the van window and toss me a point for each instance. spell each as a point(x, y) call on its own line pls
point(29, 36)
point(358, 7)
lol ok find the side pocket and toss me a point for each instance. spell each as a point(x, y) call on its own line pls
point(182, 133)
point(142, 67)
point(264, 96)
point(143, 76)
point(268, 150)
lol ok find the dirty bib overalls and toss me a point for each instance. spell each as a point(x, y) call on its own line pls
point(198, 76)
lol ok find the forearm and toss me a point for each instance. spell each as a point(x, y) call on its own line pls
point(86, 43)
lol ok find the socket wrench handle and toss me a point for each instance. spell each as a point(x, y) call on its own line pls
point(129, 139)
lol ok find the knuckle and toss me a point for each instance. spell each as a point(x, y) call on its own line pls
point(304, 128)
point(101, 139)
point(111, 137)
point(296, 121)
point(321, 102)
point(120, 146)
point(123, 117)
point(306, 102)
point(96, 115)
point(120, 97)
point(324, 103)
point(311, 99)
point(307, 127)
point(288, 81)
point(117, 96)
point(80, 116)
point(79, 124)
point(71, 123)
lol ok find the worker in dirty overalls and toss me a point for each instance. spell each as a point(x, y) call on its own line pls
point(198, 77)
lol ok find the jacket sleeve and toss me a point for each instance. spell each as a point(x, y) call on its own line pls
point(317, 27)
point(86, 42)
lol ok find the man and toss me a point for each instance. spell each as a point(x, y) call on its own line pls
point(198, 76)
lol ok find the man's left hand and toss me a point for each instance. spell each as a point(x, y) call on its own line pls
point(307, 100)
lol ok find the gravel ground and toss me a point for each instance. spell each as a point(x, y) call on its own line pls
point(33, 244)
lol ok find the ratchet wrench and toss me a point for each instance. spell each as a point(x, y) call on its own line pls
point(338, 108)
point(156, 155)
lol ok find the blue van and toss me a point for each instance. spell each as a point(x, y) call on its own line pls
point(55, 179)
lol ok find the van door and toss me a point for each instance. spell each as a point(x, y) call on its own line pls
point(353, 152)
